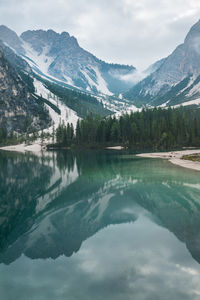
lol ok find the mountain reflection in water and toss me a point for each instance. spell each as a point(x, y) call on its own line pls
point(51, 204)
point(120, 225)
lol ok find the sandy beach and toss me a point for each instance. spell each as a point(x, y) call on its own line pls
point(36, 147)
point(175, 157)
point(115, 148)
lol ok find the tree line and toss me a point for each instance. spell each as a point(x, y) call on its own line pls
point(78, 101)
point(155, 129)
point(150, 129)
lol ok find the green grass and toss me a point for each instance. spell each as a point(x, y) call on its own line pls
point(192, 157)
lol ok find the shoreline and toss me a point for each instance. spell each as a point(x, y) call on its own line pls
point(115, 148)
point(36, 147)
point(175, 157)
point(23, 148)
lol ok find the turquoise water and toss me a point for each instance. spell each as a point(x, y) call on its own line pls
point(98, 225)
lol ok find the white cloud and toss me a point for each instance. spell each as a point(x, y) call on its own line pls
point(123, 31)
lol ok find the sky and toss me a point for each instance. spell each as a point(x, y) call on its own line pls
point(134, 32)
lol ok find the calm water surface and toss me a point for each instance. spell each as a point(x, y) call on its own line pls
point(98, 225)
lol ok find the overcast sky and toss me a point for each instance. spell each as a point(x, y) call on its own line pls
point(136, 32)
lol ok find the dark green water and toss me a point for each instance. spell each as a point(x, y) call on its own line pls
point(96, 226)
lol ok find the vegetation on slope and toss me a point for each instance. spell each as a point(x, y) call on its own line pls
point(80, 102)
point(155, 129)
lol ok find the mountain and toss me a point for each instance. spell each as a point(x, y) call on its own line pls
point(10, 38)
point(29, 102)
point(20, 111)
point(177, 78)
point(60, 57)
point(15, 60)
point(154, 67)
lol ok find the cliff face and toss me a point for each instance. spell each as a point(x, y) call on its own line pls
point(64, 59)
point(60, 56)
point(177, 78)
point(19, 110)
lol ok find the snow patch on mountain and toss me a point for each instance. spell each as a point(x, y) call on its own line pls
point(187, 103)
point(127, 110)
point(192, 79)
point(164, 105)
point(69, 80)
point(177, 77)
point(194, 90)
point(91, 83)
point(101, 84)
point(37, 61)
point(40, 63)
point(7, 45)
point(67, 115)
point(60, 57)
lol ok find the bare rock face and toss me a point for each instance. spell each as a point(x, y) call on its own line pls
point(11, 38)
point(19, 110)
point(15, 60)
point(175, 79)
point(75, 66)
point(60, 56)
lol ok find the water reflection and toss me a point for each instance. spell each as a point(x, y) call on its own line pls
point(55, 205)
point(67, 198)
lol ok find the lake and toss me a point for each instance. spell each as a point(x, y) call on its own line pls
point(98, 225)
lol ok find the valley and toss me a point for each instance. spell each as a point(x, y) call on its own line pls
point(99, 150)
point(69, 83)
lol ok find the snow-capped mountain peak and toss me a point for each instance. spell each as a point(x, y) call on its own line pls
point(178, 77)
point(59, 56)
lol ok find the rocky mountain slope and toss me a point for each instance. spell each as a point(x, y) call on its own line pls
point(20, 111)
point(40, 106)
point(60, 57)
point(177, 79)
point(71, 74)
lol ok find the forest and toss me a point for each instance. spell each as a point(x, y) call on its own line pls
point(150, 129)
point(80, 102)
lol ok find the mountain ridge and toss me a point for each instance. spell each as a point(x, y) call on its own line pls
point(176, 77)
point(19, 110)
point(59, 55)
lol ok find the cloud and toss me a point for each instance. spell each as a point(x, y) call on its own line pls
point(148, 263)
point(124, 31)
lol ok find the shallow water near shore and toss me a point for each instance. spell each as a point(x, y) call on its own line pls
point(98, 225)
